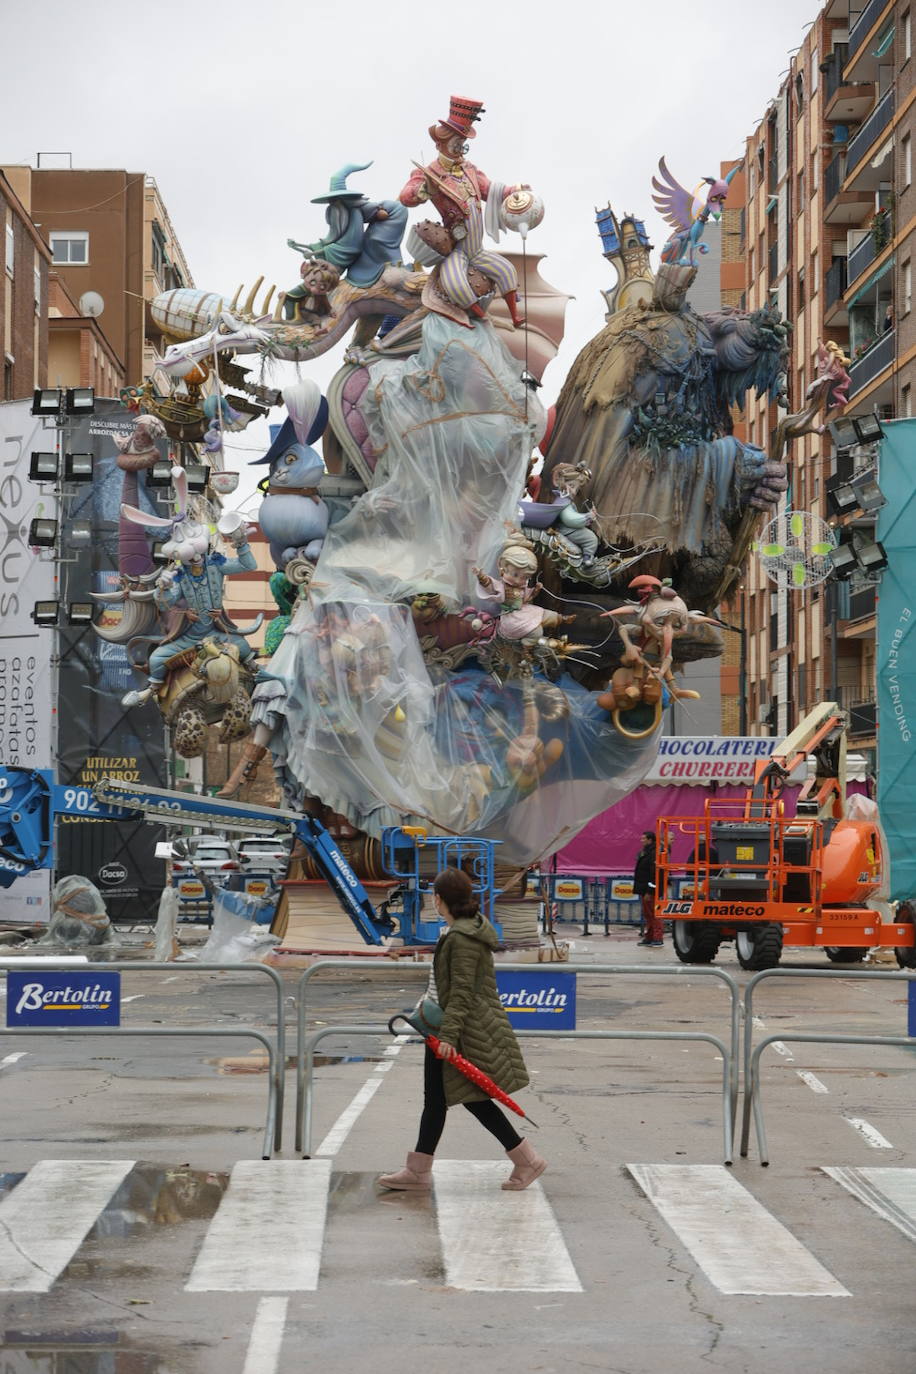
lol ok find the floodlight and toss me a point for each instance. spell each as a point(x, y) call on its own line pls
point(47, 401)
point(842, 500)
point(843, 560)
point(867, 492)
point(43, 467)
point(79, 534)
point(45, 612)
point(78, 467)
point(43, 534)
point(844, 433)
point(160, 474)
point(158, 555)
point(80, 400)
point(198, 475)
point(80, 613)
point(871, 556)
point(868, 428)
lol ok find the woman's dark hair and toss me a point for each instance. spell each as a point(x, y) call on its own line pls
point(457, 892)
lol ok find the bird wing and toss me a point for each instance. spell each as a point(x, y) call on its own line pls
point(672, 202)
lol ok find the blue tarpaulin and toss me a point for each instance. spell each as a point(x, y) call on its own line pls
point(896, 654)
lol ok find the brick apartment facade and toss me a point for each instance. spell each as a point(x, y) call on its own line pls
point(23, 299)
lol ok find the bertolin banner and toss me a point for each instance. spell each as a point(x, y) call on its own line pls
point(63, 997)
point(539, 1000)
point(896, 655)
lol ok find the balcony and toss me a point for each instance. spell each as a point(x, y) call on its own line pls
point(864, 25)
point(833, 178)
point(862, 718)
point(861, 257)
point(874, 125)
point(835, 283)
point(833, 71)
point(879, 356)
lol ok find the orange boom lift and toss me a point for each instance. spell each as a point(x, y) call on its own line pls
point(765, 879)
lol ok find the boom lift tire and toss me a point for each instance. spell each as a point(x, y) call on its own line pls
point(696, 942)
point(760, 947)
point(906, 954)
point(845, 954)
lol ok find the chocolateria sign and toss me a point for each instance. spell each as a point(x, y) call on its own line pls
point(702, 759)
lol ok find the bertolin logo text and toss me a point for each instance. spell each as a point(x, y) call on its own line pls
point(37, 996)
point(548, 999)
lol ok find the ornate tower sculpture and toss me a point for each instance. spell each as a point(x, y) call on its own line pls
point(626, 246)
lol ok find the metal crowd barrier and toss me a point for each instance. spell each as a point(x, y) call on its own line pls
point(307, 1043)
point(276, 1052)
point(752, 1055)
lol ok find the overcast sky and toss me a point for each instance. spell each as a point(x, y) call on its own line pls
point(241, 112)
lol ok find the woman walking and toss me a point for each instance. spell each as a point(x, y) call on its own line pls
point(474, 1024)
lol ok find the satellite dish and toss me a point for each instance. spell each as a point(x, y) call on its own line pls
point(91, 303)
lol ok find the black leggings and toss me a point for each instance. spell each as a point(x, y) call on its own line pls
point(432, 1122)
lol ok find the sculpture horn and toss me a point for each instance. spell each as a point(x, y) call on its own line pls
point(233, 304)
point(248, 307)
point(136, 617)
point(115, 597)
point(278, 308)
point(267, 299)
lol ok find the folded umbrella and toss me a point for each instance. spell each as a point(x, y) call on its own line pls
point(471, 1071)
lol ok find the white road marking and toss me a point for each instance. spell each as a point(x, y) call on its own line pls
point(344, 1123)
point(266, 1337)
point(758, 1022)
point(134, 997)
point(496, 1242)
point(813, 1082)
point(13, 1058)
point(269, 1230)
point(784, 1050)
point(739, 1246)
point(889, 1192)
point(46, 1218)
point(872, 1137)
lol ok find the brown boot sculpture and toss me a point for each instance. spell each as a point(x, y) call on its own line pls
point(245, 770)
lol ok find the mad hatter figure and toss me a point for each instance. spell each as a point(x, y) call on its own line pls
point(459, 190)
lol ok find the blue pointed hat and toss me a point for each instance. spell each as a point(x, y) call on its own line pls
point(338, 186)
point(285, 436)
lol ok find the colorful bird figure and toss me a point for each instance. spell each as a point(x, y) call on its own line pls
point(687, 213)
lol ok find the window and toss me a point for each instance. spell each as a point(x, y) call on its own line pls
point(906, 285)
point(70, 247)
point(10, 246)
point(7, 377)
point(814, 166)
point(906, 402)
point(800, 194)
point(799, 93)
point(814, 282)
point(36, 286)
point(160, 257)
point(813, 71)
point(800, 305)
point(907, 146)
point(907, 37)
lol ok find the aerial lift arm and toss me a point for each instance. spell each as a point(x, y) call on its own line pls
point(821, 734)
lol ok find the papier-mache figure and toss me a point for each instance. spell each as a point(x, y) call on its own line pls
point(195, 588)
point(293, 516)
point(574, 520)
point(459, 191)
point(518, 619)
point(363, 236)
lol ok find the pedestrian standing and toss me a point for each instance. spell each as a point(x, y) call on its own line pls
point(644, 887)
point(474, 1023)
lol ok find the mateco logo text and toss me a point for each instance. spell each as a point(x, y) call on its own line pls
point(63, 998)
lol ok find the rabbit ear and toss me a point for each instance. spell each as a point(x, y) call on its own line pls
point(180, 483)
point(140, 517)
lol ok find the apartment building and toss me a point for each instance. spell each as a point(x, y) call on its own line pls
point(829, 233)
point(23, 298)
point(111, 241)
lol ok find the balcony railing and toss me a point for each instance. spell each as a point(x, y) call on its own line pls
point(863, 25)
point(833, 178)
point(878, 120)
point(835, 282)
point(773, 264)
point(833, 75)
point(862, 256)
point(879, 356)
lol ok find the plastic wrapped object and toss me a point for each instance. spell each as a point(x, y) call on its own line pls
point(235, 939)
point(166, 945)
point(78, 916)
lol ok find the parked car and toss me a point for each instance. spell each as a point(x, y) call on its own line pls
point(265, 854)
point(208, 853)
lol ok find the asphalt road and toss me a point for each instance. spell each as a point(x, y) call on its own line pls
point(140, 1233)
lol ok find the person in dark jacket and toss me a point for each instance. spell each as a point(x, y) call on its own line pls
point(474, 1024)
point(644, 887)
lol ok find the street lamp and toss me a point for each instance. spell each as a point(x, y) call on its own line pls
point(42, 534)
point(80, 613)
point(45, 613)
point(47, 401)
point(78, 467)
point(80, 400)
point(43, 467)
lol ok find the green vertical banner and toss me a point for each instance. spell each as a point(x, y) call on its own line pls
point(896, 654)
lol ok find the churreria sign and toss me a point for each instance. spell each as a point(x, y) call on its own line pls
point(63, 998)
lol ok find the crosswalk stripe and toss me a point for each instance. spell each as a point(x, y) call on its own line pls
point(47, 1216)
point(739, 1246)
point(269, 1231)
point(496, 1242)
point(889, 1192)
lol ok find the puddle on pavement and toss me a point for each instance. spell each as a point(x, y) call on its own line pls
point(8, 1183)
point(75, 1352)
point(257, 1062)
point(152, 1196)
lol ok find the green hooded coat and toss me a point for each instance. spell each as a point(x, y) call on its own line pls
point(473, 1017)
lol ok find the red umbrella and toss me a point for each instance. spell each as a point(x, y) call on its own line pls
point(469, 1070)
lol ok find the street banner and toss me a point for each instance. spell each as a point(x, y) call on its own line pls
point(539, 1000)
point(97, 737)
point(698, 760)
point(27, 716)
point(63, 997)
point(895, 662)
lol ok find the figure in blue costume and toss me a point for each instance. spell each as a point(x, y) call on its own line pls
point(364, 236)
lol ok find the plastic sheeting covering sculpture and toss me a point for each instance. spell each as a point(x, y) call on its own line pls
point(357, 715)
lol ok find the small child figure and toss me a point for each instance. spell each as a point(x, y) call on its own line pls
point(518, 618)
point(568, 481)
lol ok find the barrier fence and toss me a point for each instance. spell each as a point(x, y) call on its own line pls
point(306, 1043)
point(752, 1054)
point(276, 1050)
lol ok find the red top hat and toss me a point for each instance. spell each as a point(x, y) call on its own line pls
point(462, 116)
